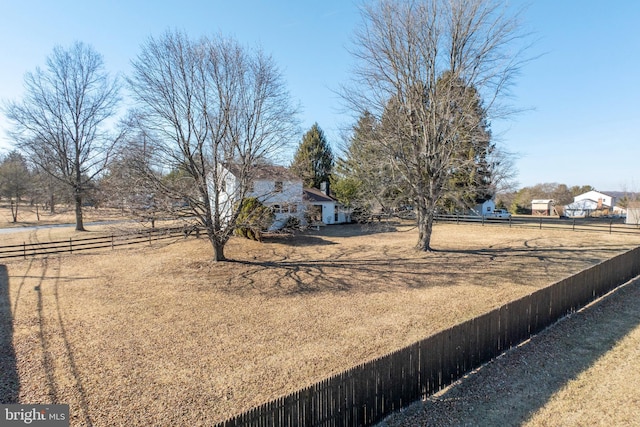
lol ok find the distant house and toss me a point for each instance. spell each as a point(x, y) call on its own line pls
point(591, 203)
point(542, 207)
point(485, 208)
point(274, 186)
point(321, 207)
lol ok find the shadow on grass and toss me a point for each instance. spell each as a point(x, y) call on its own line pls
point(68, 357)
point(9, 380)
point(511, 389)
point(386, 271)
point(319, 237)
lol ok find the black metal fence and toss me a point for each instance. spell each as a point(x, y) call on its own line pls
point(89, 243)
point(367, 393)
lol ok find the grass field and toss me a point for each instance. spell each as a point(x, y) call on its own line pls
point(31, 215)
point(161, 335)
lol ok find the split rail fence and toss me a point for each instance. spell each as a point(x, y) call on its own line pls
point(367, 393)
point(90, 243)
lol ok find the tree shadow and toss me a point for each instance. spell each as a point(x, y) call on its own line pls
point(509, 390)
point(322, 235)
point(348, 270)
point(9, 379)
point(58, 328)
point(297, 240)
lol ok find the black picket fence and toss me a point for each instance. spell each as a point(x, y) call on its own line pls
point(112, 241)
point(367, 393)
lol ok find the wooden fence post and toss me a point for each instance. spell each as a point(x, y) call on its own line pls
point(24, 249)
point(70, 245)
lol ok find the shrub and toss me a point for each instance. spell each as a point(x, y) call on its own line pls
point(253, 219)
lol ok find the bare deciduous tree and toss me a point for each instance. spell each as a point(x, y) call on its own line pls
point(61, 122)
point(423, 67)
point(208, 105)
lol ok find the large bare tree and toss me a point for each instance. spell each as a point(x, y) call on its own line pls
point(423, 70)
point(63, 120)
point(210, 106)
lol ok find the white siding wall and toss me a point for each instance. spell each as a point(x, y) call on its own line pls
point(265, 191)
point(288, 201)
point(328, 211)
point(228, 197)
point(633, 216)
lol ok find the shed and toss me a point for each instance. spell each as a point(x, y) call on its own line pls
point(633, 214)
point(484, 208)
point(542, 207)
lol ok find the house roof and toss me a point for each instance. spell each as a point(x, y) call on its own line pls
point(266, 172)
point(315, 195)
point(592, 195)
point(541, 201)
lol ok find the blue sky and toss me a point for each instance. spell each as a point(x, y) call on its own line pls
point(582, 96)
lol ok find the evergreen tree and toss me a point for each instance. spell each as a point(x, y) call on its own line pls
point(313, 161)
point(15, 178)
point(471, 179)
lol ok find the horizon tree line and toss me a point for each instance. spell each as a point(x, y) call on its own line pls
point(428, 76)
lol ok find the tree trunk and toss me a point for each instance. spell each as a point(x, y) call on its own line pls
point(52, 203)
point(425, 227)
point(79, 222)
point(218, 251)
point(14, 211)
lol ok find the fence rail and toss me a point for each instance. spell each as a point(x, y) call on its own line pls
point(367, 393)
point(609, 225)
point(90, 243)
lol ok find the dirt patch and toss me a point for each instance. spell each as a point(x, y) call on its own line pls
point(159, 334)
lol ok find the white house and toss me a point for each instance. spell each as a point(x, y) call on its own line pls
point(274, 186)
point(278, 188)
point(601, 199)
point(589, 203)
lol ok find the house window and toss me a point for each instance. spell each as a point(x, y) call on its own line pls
point(278, 187)
point(276, 209)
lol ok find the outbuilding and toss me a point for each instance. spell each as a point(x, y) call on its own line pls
point(542, 207)
point(633, 214)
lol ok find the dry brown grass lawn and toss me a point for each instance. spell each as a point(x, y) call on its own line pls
point(159, 335)
point(30, 215)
